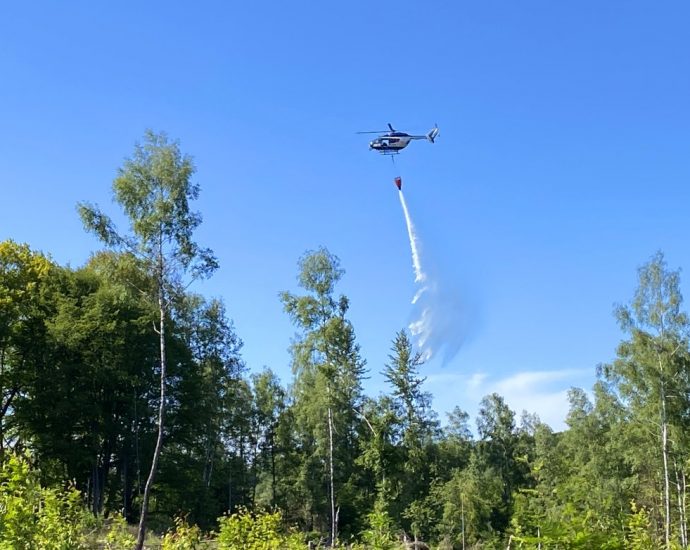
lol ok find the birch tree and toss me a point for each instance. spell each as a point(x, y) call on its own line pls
point(328, 370)
point(154, 188)
point(651, 364)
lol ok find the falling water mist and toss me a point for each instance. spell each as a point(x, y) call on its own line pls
point(419, 275)
point(440, 322)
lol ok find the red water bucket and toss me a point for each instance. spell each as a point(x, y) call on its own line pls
point(398, 183)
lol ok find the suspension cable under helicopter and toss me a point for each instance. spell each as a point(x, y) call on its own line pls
point(397, 180)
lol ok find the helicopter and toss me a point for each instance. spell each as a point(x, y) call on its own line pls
point(391, 143)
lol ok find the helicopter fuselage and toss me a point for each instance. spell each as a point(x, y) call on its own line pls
point(391, 143)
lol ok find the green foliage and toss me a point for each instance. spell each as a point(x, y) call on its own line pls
point(26, 283)
point(413, 428)
point(63, 521)
point(467, 501)
point(327, 396)
point(79, 363)
point(184, 537)
point(154, 189)
point(32, 516)
point(20, 496)
point(650, 373)
point(379, 533)
point(568, 533)
point(258, 531)
point(119, 537)
point(639, 535)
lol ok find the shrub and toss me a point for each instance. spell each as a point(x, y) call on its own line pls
point(119, 537)
point(35, 517)
point(63, 521)
point(260, 531)
point(184, 537)
point(20, 495)
point(639, 536)
point(379, 534)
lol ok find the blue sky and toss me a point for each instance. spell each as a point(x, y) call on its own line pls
point(562, 163)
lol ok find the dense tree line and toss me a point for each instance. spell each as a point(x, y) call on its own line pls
point(81, 374)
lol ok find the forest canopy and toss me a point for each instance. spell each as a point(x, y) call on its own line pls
point(89, 356)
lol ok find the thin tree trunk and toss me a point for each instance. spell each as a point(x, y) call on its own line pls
point(462, 512)
point(243, 472)
point(96, 495)
point(273, 470)
point(125, 483)
point(230, 488)
point(664, 452)
point(102, 471)
point(681, 511)
point(208, 462)
point(161, 410)
point(334, 521)
point(255, 475)
point(684, 520)
point(667, 500)
point(137, 461)
point(89, 492)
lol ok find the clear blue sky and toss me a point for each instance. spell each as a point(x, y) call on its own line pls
point(562, 163)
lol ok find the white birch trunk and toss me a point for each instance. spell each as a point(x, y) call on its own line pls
point(141, 534)
point(683, 515)
point(334, 520)
point(679, 499)
point(667, 500)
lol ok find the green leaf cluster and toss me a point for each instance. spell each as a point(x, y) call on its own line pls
point(183, 537)
point(32, 516)
point(119, 536)
point(244, 530)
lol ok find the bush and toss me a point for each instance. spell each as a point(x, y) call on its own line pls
point(260, 531)
point(184, 537)
point(639, 536)
point(63, 521)
point(119, 537)
point(379, 535)
point(35, 517)
point(20, 495)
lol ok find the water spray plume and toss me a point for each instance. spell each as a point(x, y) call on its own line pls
point(420, 276)
point(420, 328)
point(440, 322)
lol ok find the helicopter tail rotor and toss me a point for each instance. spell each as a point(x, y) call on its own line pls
point(431, 136)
